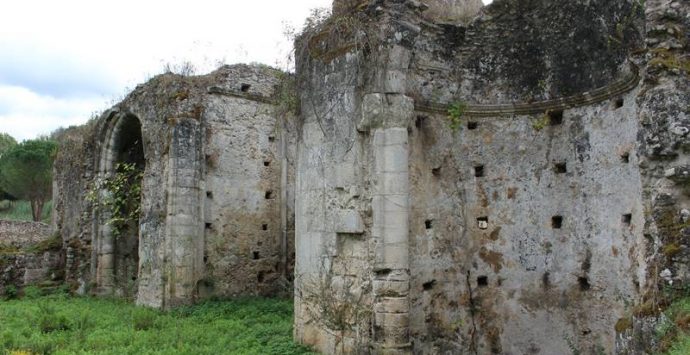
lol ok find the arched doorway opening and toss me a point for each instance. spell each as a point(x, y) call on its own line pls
point(121, 175)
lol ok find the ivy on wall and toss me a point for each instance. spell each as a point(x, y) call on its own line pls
point(121, 198)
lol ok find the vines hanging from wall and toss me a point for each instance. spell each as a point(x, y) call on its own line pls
point(119, 196)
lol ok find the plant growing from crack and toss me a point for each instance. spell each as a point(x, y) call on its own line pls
point(337, 304)
point(455, 112)
point(541, 122)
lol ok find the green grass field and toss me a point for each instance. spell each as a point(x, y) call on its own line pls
point(21, 211)
point(59, 324)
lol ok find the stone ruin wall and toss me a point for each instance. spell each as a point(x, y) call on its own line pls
point(492, 238)
point(663, 102)
point(217, 172)
point(73, 175)
point(427, 239)
point(29, 256)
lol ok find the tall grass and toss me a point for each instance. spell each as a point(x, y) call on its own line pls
point(63, 325)
point(21, 211)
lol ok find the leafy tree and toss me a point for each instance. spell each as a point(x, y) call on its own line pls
point(6, 142)
point(26, 172)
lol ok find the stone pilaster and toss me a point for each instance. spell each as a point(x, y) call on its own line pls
point(387, 117)
point(185, 229)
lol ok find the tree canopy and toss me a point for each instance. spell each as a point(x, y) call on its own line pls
point(26, 172)
point(6, 142)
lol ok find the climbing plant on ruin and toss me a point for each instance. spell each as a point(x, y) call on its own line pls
point(455, 112)
point(119, 196)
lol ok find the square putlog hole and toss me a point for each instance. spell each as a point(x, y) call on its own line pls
point(618, 103)
point(419, 122)
point(560, 168)
point(479, 171)
point(555, 117)
point(584, 283)
point(471, 125)
point(483, 281)
point(625, 158)
point(264, 227)
point(245, 87)
point(268, 195)
point(557, 222)
point(429, 224)
point(627, 219)
point(428, 286)
point(483, 222)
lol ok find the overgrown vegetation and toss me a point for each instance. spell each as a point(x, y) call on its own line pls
point(119, 196)
point(286, 96)
point(64, 325)
point(541, 123)
point(665, 59)
point(673, 332)
point(455, 112)
point(627, 22)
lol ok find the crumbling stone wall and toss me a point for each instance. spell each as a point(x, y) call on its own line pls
point(523, 220)
point(19, 234)
point(29, 256)
point(215, 157)
point(73, 174)
point(451, 11)
point(664, 123)
point(510, 179)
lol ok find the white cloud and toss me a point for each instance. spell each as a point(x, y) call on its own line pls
point(62, 60)
point(25, 114)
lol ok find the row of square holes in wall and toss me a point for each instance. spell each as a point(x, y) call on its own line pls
point(558, 168)
point(555, 119)
point(267, 195)
point(556, 222)
point(483, 281)
point(555, 116)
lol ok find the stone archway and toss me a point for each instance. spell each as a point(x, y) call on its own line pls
point(117, 232)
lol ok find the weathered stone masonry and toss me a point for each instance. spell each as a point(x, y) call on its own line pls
point(521, 231)
point(214, 209)
point(550, 206)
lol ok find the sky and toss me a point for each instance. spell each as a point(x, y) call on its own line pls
point(62, 61)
